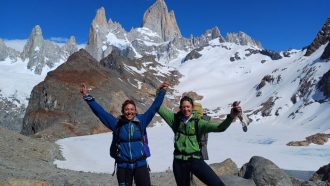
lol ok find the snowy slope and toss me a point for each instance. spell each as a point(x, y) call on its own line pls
point(221, 82)
point(229, 81)
point(17, 82)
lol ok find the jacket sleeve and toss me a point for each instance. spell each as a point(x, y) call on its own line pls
point(209, 126)
point(150, 113)
point(167, 115)
point(106, 118)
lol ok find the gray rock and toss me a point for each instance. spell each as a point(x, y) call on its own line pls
point(159, 36)
point(7, 52)
point(272, 54)
point(52, 111)
point(242, 38)
point(323, 174)
point(324, 84)
point(236, 57)
point(326, 54)
point(192, 55)
point(69, 48)
point(227, 167)
point(158, 19)
point(97, 35)
point(322, 37)
point(265, 172)
point(41, 53)
point(54, 101)
point(11, 114)
point(266, 107)
point(230, 180)
point(25, 158)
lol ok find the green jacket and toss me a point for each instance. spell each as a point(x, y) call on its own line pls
point(186, 144)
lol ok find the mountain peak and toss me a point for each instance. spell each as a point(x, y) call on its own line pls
point(100, 18)
point(322, 37)
point(37, 31)
point(40, 52)
point(242, 38)
point(158, 19)
point(34, 43)
point(71, 41)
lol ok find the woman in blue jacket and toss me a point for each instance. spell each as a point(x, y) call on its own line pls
point(128, 130)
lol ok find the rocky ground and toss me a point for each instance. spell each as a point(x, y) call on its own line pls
point(29, 161)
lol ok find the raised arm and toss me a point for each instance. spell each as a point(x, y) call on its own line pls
point(208, 126)
point(167, 115)
point(150, 113)
point(106, 118)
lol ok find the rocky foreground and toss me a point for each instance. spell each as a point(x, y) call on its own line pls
point(29, 161)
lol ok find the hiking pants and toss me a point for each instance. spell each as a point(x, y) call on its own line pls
point(141, 176)
point(183, 168)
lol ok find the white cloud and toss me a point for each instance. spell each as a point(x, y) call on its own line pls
point(59, 39)
point(17, 44)
point(80, 46)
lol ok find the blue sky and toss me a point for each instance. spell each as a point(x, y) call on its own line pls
point(277, 24)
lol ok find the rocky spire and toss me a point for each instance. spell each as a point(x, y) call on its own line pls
point(34, 43)
point(100, 18)
point(40, 52)
point(70, 47)
point(97, 34)
point(213, 33)
point(158, 19)
point(321, 38)
point(72, 41)
point(242, 38)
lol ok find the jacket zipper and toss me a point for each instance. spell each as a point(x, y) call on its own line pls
point(129, 139)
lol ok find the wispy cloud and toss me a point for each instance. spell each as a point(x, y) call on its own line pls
point(59, 39)
point(80, 46)
point(17, 44)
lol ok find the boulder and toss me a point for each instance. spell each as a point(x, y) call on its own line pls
point(323, 174)
point(265, 172)
point(230, 180)
point(225, 168)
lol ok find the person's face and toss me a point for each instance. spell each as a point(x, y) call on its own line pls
point(186, 108)
point(129, 111)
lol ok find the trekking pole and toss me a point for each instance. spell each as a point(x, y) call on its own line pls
point(242, 117)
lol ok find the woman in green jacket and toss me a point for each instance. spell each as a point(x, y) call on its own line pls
point(187, 152)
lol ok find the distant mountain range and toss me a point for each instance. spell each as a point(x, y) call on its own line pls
point(121, 64)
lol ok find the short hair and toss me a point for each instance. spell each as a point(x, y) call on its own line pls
point(186, 98)
point(129, 101)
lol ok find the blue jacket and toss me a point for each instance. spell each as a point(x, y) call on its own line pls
point(130, 148)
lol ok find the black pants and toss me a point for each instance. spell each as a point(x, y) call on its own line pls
point(141, 176)
point(199, 168)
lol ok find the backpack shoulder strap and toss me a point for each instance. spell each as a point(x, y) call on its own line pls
point(177, 122)
point(119, 124)
point(198, 135)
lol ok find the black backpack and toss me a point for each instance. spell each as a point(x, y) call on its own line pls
point(202, 138)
